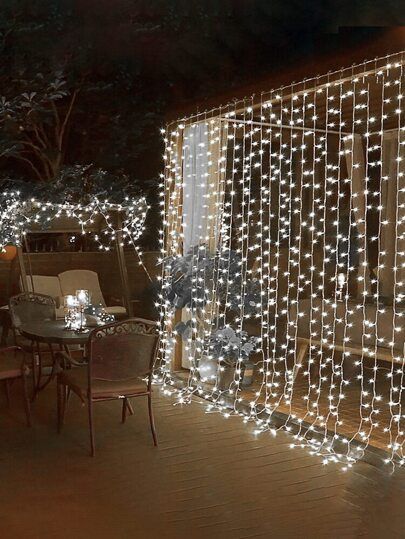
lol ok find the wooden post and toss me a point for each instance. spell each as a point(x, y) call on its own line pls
point(123, 267)
point(23, 273)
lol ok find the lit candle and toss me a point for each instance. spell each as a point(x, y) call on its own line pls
point(341, 280)
point(70, 301)
point(83, 297)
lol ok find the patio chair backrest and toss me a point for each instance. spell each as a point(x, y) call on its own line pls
point(44, 284)
point(73, 280)
point(30, 307)
point(123, 350)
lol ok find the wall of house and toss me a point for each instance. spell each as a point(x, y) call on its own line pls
point(105, 264)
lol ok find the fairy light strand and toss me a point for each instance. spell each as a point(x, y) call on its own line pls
point(293, 196)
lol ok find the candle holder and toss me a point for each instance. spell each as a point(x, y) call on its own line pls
point(83, 299)
point(341, 279)
point(71, 305)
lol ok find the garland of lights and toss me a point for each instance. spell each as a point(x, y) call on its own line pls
point(18, 215)
point(306, 185)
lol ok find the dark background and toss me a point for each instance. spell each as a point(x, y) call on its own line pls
point(138, 63)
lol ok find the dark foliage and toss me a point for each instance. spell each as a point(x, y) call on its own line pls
point(114, 68)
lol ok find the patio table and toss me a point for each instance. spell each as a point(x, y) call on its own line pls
point(53, 332)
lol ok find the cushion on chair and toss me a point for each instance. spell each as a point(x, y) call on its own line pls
point(116, 310)
point(77, 380)
point(10, 364)
point(44, 284)
point(73, 280)
point(68, 282)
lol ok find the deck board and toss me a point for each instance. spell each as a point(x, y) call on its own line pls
point(209, 477)
point(349, 408)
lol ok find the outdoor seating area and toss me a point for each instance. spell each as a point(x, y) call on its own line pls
point(111, 362)
point(61, 329)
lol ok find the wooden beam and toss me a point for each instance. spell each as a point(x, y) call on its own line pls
point(123, 267)
point(23, 273)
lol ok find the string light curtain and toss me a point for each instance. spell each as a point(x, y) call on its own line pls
point(284, 218)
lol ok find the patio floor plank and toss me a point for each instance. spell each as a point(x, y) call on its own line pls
point(209, 477)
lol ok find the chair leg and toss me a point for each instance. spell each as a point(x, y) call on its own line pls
point(58, 403)
point(35, 379)
point(7, 388)
point(51, 376)
point(61, 404)
point(26, 400)
point(65, 400)
point(91, 426)
point(129, 406)
point(124, 410)
point(152, 421)
point(68, 393)
point(34, 374)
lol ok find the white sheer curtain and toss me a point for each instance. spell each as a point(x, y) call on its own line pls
point(391, 239)
point(196, 165)
point(354, 151)
point(202, 190)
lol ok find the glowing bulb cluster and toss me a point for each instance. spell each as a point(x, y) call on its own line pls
point(18, 216)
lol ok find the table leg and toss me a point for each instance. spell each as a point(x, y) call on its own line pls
point(53, 371)
point(6, 326)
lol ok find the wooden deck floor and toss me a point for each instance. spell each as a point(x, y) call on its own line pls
point(209, 478)
point(351, 424)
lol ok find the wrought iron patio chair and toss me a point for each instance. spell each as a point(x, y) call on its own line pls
point(31, 307)
point(119, 366)
point(13, 367)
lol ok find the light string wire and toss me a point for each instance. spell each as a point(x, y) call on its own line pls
point(398, 447)
point(315, 411)
point(258, 261)
point(298, 240)
point(376, 281)
point(18, 216)
point(369, 405)
point(346, 267)
point(396, 417)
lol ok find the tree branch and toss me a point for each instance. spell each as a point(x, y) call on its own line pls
point(67, 116)
point(38, 137)
point(57, 119)
point(33, 167)
point(44, 135)
point(28, 143)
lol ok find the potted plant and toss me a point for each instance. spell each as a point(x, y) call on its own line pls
point(231, 352)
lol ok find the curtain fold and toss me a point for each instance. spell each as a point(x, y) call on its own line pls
point(195, 183)
point(203, 191)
